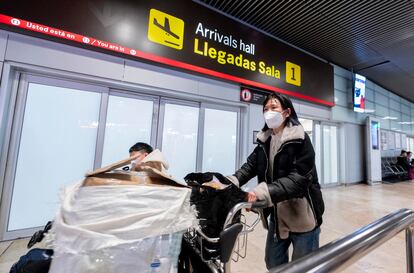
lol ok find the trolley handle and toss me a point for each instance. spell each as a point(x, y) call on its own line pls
point(244, 205)
point(238, 207)
point(261, 204)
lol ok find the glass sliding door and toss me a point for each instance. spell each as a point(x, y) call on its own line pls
point(317, 145)
point(56, 147)
point(198, 139)
point(324, 138)
point(330, 154)
point(410, 144)
point(179, 136)
point(312, 128)
point(129, 120)
point(307, 126)
point(220, 141)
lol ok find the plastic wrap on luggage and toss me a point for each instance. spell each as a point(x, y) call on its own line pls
point(118, 223)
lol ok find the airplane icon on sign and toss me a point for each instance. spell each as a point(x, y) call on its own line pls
point(166, 29)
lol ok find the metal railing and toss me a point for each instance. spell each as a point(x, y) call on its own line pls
point(339, 254)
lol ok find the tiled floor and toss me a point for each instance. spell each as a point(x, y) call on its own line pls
point(10, 253)
point(347, 209)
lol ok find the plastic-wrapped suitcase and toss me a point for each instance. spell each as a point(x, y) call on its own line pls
point(117, 221)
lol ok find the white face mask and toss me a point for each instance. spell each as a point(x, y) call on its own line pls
point(273, 119)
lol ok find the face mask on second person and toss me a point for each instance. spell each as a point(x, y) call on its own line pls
point(273, 119)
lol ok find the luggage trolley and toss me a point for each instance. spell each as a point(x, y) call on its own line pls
point(215, 254)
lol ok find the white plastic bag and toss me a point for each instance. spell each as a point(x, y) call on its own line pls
point(120, 229)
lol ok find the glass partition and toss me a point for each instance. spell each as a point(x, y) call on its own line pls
point(57, 146)
point(128, 120)
point(179, 138)
point(220, 141)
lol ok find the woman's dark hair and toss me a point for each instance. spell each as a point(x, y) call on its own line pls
point(286, 103)
point(141, 146)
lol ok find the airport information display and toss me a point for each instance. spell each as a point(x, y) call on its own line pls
point(359, 93)
point(375, 135)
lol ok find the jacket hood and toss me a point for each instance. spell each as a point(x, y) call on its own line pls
point(290, 132)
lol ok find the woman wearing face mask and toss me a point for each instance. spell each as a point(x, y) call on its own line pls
point(284, 163)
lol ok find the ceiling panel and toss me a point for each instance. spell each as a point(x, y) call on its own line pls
point(372, 37)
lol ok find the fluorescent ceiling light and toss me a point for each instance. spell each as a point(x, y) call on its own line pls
point(388, 117)
point(360, 110)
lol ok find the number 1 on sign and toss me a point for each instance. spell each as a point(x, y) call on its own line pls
point(293, 75)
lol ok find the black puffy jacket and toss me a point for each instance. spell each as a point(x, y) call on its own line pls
point(294, 172)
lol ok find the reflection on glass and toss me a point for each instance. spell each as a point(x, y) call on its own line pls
point(397, 140)
point(57, 147)
point(179, 139)
point(220, 139)
point(128, 121)
point(330, 154)
point(318, 150)
point(307, 126)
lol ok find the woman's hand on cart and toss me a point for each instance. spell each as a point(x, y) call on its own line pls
point(256, 204)
point(251, 197)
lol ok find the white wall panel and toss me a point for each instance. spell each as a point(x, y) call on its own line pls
point(369, 94)
point(394, 97)
point(216, 89)
point(381, 99)
point(340, 113)
point(382, 111)
point(394, 105)
point(49, 54)
point(405, 109)
point(361, 117)
point(405, 102)
point(379, 89)
point(385, 124)
point(342, 72)
point(341, 83)
point(370, 85)
point(341, 98)
point(159, 77)
point(152, 75)
point(307, 109)
point(370, 105)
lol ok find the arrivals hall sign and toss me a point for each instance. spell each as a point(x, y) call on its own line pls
point(178, 33)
